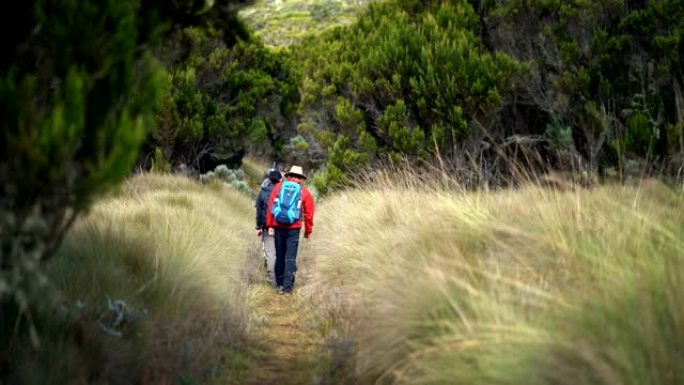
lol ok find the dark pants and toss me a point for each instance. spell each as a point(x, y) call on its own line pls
point(286, 244)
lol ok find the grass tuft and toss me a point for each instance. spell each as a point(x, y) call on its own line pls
point(174, 253)
point(533, 285)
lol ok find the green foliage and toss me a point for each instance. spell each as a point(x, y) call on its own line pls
point(223, 99)
point(420, 78)
point(79, 88)
point(641, 136)
point(402, 79)
point(298, 143)
point(159, 163)
point(609, 70)
point(229, 177)
point(75, 95)
point(281, 23)
point(349, 118)
point(559, 137)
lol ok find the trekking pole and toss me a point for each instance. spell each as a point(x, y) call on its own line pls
point(263, 252)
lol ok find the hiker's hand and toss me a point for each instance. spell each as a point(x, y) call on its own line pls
point(271, 231)
point(307, 235)
point(259, 232)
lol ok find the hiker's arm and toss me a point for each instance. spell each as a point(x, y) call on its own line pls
point(270, 222)
point(308, 204)
point(260, 214)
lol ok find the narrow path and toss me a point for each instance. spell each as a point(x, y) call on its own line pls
point(288, 342)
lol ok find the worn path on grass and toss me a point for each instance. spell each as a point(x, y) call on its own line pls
point(288, 342)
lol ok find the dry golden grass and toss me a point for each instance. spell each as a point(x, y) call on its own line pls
point(171, 248)
point(256, 169)
point(527, 286)
point(408, 284)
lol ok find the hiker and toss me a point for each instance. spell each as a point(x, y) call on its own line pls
point(268, 241)
point(290, 204)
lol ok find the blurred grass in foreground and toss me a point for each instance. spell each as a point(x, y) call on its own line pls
point(173, 251)
point(416, 285)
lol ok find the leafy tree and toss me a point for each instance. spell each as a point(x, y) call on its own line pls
point(608, 70)
point(224, 98)
point(480, 79)
point(406, 79)
point(79, 87)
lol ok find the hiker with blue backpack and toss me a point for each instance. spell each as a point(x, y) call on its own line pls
point(267, 239)
point(290, 207)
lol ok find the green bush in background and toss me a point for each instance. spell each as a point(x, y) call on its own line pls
point(403, 80)
point(478, 82)
point(224, 99)
point(230, 177)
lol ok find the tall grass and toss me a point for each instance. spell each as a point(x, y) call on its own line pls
point(173, 251)
point(256, 170)
point(527, 286)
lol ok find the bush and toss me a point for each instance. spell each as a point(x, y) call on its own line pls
point(78, 88)
point(159, 163)
point(229, 177)
point(402, 81)
point(559, 137)
point(224, 99)
point(466, 79)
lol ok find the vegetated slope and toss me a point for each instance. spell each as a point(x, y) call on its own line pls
point(527, 286)
point(589, 86)
point(153, 289)
point(284, 22)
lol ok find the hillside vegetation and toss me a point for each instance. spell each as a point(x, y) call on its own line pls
point(159, 283)
point(594, 87)
point(151, 289)
point(476, 278)
point(486, 88)
point(281, 23)
point(530, 286)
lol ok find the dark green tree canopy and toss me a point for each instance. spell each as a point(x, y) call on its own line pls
point(594, 86)
point(79, 91)
point(222, 99)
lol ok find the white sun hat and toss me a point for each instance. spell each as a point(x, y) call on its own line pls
point(297, 172)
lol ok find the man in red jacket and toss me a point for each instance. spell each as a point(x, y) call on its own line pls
point(289, 205)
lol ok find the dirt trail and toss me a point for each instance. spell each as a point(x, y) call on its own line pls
point(288, 341)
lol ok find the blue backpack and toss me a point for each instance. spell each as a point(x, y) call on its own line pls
point(287, 206)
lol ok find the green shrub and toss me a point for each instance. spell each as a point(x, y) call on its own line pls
point(159, 163)
point(224, 98)
point(473, 75)
point(641, 135)
point(559, 137)
point(399, 81)
point(233, 178)
point(79, 87)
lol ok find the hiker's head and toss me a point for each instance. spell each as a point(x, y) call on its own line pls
point(274, 176)
point(296, 172)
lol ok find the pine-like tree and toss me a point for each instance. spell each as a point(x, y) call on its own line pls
point(79, 88)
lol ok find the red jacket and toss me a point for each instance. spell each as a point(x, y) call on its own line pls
point(307, 210)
